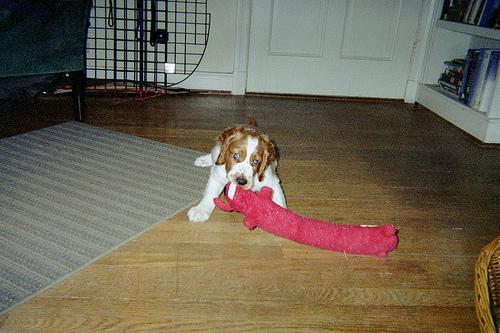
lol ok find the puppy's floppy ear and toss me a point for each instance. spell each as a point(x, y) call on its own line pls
point(225, 140)
point(268, 156)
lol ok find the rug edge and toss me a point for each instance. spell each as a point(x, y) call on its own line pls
point(53, 284)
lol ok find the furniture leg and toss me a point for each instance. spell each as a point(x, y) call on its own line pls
point(78, 90)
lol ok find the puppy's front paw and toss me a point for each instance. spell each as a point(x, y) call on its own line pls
point(203, 161)
point(198, 214)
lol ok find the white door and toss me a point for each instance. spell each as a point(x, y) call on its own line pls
point(332, 47)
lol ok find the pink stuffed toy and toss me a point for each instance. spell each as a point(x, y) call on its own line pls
point(260, 211)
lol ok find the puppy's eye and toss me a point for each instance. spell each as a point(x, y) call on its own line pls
point(236, 156)
point(255, 162)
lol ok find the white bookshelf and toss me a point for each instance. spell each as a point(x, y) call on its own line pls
point(477, 124)
point(469, 29)
point(450, 40)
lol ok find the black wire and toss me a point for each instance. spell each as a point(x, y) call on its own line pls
point(111, 15)
point(152, 31)
point(136, 20)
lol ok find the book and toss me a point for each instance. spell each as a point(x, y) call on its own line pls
point(451, 79)
point(449, 93)
point(490, 14)
point(471, 76)
point(445, 10)
point(454, 10)
point(488, 10)
point(489, 81)
point(494, 19)
point(467, 7)
point(475, 7)
point(444, 82)
point(466, 74)
point(479, 12)
point(456, 65)
point(448, 88)
point(474, 78)
point(483, 61)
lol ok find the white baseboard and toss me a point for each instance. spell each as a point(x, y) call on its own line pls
point(197, 81)
point(208, 81)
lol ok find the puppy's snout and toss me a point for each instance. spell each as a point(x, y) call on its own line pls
point(241, 181)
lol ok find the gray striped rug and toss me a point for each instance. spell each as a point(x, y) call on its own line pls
point(71, 193)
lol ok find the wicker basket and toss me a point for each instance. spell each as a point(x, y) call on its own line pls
point(487, 287)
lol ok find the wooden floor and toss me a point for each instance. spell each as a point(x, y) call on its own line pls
point(348, 161)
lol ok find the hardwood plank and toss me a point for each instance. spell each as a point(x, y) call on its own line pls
point(345, 161)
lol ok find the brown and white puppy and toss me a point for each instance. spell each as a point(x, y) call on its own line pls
point(243, 156)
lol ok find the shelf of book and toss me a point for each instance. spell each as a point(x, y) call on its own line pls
point(451, 109)
point(469, 29)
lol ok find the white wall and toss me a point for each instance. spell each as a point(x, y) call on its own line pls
point(219, 56)
point(217, 66)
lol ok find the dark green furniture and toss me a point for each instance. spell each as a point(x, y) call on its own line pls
point(45, 37)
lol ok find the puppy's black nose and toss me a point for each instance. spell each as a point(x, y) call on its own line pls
point(241, 181)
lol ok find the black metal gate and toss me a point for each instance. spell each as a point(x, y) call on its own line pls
point(145, 46)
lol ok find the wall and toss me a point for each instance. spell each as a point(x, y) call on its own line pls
point(219, 56)
point(217, 66)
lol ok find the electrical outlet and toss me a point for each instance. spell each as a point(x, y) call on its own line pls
point(169, 68)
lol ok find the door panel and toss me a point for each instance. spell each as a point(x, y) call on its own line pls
point(297, 27)
point(370, 39)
